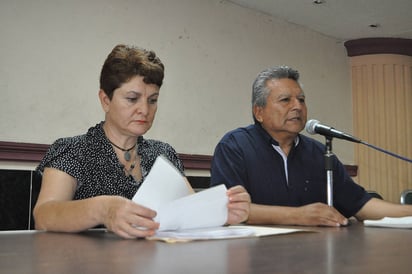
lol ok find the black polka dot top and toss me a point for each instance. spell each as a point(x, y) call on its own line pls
point(92, 161)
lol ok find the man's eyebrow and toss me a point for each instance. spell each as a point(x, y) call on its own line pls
point(284, 94)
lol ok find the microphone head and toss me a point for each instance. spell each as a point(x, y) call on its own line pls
point(311, 125)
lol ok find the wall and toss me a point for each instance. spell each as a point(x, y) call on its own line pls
point(52, 51)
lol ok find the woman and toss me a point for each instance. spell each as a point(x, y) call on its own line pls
point(88, 180)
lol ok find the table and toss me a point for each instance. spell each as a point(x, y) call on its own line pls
point(352, 249)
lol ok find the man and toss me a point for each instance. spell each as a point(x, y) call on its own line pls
point(284, 171)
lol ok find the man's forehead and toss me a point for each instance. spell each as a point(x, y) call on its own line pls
point(284, 85)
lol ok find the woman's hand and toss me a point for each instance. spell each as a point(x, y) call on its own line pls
point(128, 219)
point(239, 205)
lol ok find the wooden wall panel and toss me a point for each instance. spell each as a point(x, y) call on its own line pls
point(382, 102)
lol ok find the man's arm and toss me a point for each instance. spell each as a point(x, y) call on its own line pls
point(309, 215)
point(377, 209)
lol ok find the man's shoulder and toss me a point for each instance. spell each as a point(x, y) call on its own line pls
point(240, 131)
point(310, 142)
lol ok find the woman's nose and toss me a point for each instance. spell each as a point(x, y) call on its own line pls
point(143, 108)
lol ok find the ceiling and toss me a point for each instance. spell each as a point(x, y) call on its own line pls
point(342, 19)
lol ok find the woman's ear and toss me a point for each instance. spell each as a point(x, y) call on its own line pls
point(104, 100)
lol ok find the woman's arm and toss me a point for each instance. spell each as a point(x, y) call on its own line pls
point(56, 211)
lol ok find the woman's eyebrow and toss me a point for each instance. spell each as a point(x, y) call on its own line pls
point(133, 91)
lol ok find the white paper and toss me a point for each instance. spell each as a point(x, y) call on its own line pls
point(207, 208)
point(400, 222)
point(165, 191)
point(225, 232)
point(163, 184)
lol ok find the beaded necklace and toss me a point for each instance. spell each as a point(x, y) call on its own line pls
point(127, 156)
point(129, 172)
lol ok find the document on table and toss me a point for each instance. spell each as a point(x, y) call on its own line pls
point(399, 222)
point(165, 191)
point(223, 232)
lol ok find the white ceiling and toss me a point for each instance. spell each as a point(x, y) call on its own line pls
point(342, 19)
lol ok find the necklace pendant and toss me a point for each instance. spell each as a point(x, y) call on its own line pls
point(127, 156)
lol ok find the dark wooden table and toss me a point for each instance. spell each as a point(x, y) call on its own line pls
point(353, 249)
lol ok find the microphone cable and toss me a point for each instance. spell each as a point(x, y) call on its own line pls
point(387, 152)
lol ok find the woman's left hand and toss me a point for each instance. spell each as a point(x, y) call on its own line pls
point(238, 206)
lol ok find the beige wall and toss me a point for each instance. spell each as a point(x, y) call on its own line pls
point(51, 52)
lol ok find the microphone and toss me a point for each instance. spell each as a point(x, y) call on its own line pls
point(314, 126)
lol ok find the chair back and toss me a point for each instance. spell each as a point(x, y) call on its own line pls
point(406, 197)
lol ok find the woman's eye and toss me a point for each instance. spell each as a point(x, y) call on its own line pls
point(131, 99)
point(152, 101)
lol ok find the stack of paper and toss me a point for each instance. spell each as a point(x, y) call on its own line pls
point(186, 216)
point(225, 232)
point(400, 222)
point(166, 191)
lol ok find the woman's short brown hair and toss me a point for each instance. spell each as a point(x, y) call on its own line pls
point(125, 62)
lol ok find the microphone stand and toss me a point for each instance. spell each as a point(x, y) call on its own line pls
point(329, 169)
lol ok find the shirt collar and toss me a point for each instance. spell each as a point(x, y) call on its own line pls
point(269, 138)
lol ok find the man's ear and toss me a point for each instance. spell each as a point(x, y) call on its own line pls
point(257, 113)
point(104, 100)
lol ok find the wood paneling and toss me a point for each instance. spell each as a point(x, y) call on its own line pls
point(382, 102)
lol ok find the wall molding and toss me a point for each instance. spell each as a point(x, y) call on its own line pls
point(29, 152)
point(364, 46)
point(22, 152)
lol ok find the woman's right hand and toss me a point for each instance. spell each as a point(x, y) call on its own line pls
point(128, 219)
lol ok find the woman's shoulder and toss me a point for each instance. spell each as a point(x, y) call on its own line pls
point(152, 144)
point(65, 143)
point(92, 136)
point(150, 149)
point(70, 149)
point(73, 143)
